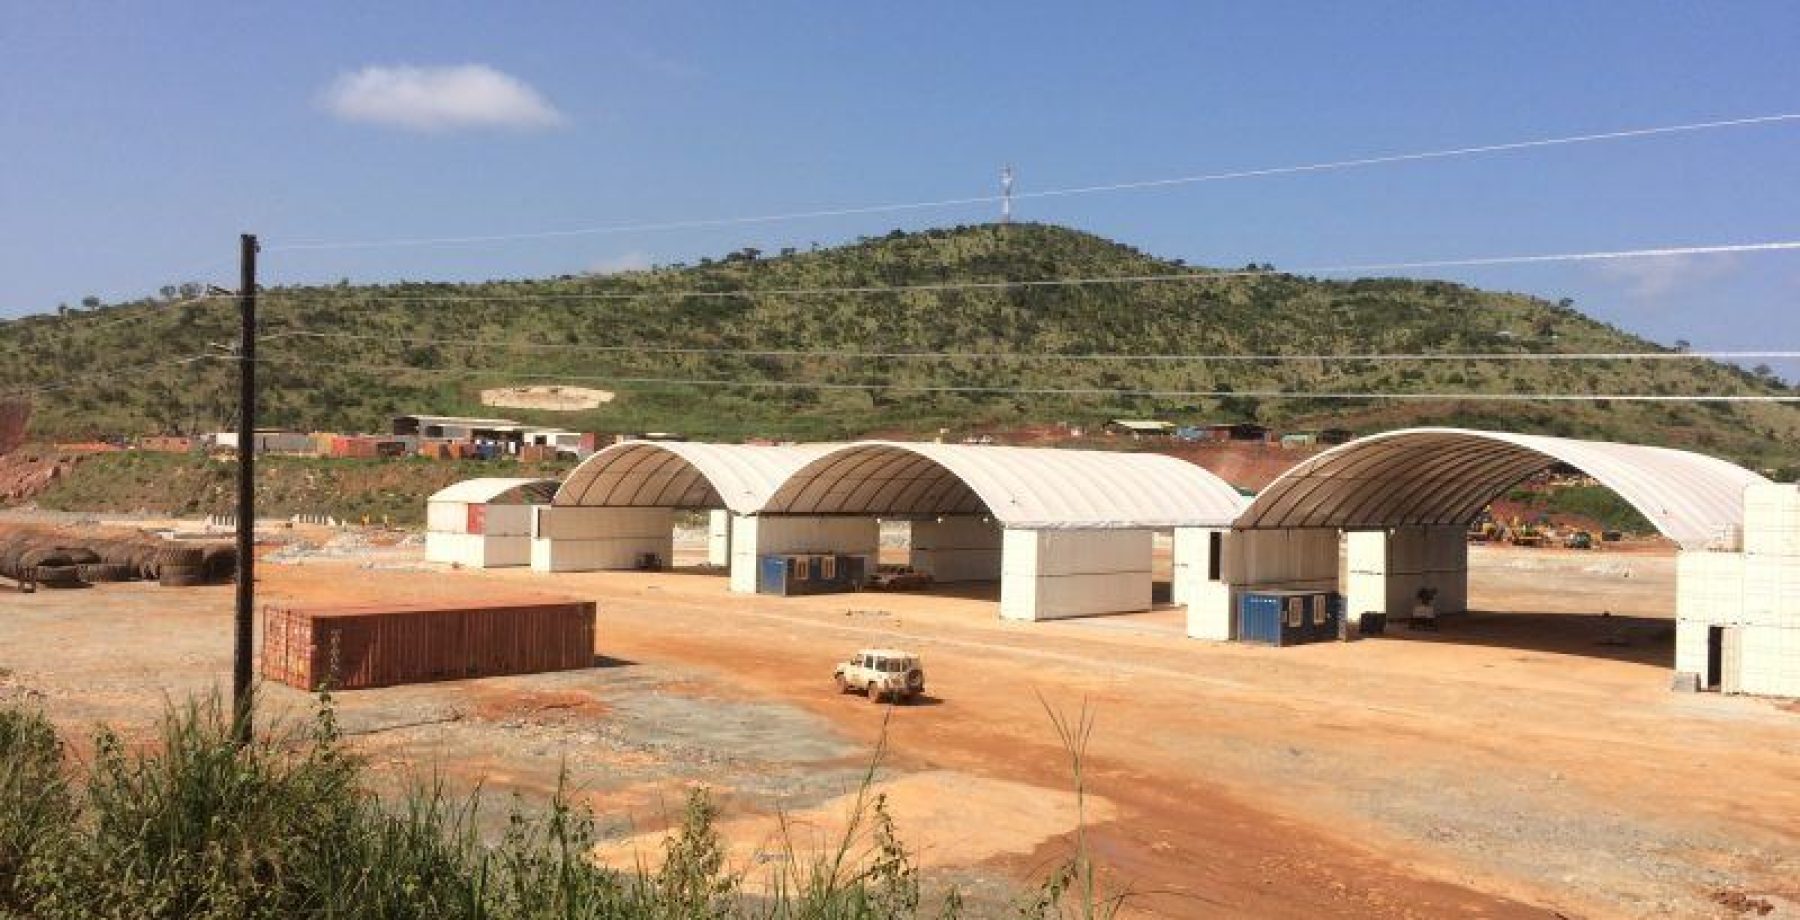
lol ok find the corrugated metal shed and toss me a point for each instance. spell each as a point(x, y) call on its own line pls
point(1039, 488)
point(1447, 475)
point(684, 474)
point(493, 490)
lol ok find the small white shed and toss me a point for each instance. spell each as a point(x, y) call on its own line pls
point(484, 523)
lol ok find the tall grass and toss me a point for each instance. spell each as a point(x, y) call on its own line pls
point(193, 826)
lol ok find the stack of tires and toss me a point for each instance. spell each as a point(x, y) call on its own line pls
point(181, 567)
point(57, 566)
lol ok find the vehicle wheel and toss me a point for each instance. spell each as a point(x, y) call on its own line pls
point(874, 694)
point(842, 684)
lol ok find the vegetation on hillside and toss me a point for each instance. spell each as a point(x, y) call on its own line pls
point(390, 491)
point(1596, 503)
point(431, 347)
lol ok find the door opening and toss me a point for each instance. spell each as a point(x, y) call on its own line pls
point(1715, 656)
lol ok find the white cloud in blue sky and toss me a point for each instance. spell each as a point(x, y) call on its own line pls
point(1659, 276)
point(454, 98)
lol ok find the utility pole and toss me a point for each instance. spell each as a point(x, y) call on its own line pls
point(246, 497)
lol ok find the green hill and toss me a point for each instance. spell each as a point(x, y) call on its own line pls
point(594, 331)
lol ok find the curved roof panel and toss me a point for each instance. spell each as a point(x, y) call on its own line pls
point(1020, 486)
point(684, 474)
point(492, 491)
point(1448, 475)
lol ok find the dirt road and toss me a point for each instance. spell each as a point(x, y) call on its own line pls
point(1513, 765)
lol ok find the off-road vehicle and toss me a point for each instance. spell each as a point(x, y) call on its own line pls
point(882, 672)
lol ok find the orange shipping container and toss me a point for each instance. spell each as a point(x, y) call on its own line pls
point(384, 645)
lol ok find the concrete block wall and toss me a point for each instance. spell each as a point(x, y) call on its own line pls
point(718, 538)
point(1752, 597)
point(1385, 570)
point(753, 536)
point(957, 548)
point(477, 551)
point(1763, 650)
point(567, 539)
point(505, 539)
point(1209, 599)
point(1051, 574)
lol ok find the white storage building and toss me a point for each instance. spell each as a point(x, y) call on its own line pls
point(1403, 499)
point(484, 523)
point(1066, 532)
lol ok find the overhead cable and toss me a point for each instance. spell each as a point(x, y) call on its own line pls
point(647, 348)
point(1354, 163)
point(1049, 391)
point(1009, 284)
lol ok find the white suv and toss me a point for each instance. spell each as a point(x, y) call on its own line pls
point(881, 672)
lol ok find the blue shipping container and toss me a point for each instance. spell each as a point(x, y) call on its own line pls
point(1289, 617)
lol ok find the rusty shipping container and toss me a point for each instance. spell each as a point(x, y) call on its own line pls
point(383, 645)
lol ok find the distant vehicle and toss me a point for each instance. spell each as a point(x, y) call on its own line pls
point(881, 672)
point(897, 578)
point(1579, 539)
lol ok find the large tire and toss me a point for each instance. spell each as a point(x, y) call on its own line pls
point(105, 571)
point(181, 556)
point(45, 556)
point(220, 563)
point(57, 576)
point(79, 555)
point(874, 693)
point(181, 576)
point(842, 684)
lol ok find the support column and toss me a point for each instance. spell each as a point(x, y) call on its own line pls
point(1388, 568)
point(1199, 581)
point(568, 539)
point(718, 538)
point(957, 548)
point(1050, 574)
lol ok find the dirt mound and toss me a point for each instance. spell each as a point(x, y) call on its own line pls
point(551, 398)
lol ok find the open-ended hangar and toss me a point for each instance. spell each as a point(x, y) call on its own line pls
point(1070, 533)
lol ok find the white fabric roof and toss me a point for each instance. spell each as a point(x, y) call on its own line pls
point(482, 491)
point(1021, 487)
point(685, 474)
point(1447, 475)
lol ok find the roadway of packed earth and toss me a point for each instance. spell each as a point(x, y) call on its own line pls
point(1525, 763)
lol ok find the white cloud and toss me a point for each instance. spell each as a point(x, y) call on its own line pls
point(467, 96)
point(1658, 276)
point(634, 261)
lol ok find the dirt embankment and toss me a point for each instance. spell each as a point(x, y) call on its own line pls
point(15, 416)
point(25, 472)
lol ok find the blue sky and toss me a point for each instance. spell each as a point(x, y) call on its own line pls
point(139, 139)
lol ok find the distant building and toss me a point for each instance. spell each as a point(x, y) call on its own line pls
point(1234, 431)
point(459, 428)
point(166, 444)
point(267, 441)
point(1336, 436)
point(1141, 428)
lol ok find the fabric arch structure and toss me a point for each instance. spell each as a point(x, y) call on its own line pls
point(1020, 487)
point(684, 474)
point(1445, 476)
point(497, 491)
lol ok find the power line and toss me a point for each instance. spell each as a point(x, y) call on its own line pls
point(92, 376)
point(1355, 163)
point(947, 286)
point(1049, 391)
point(1039, 356)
